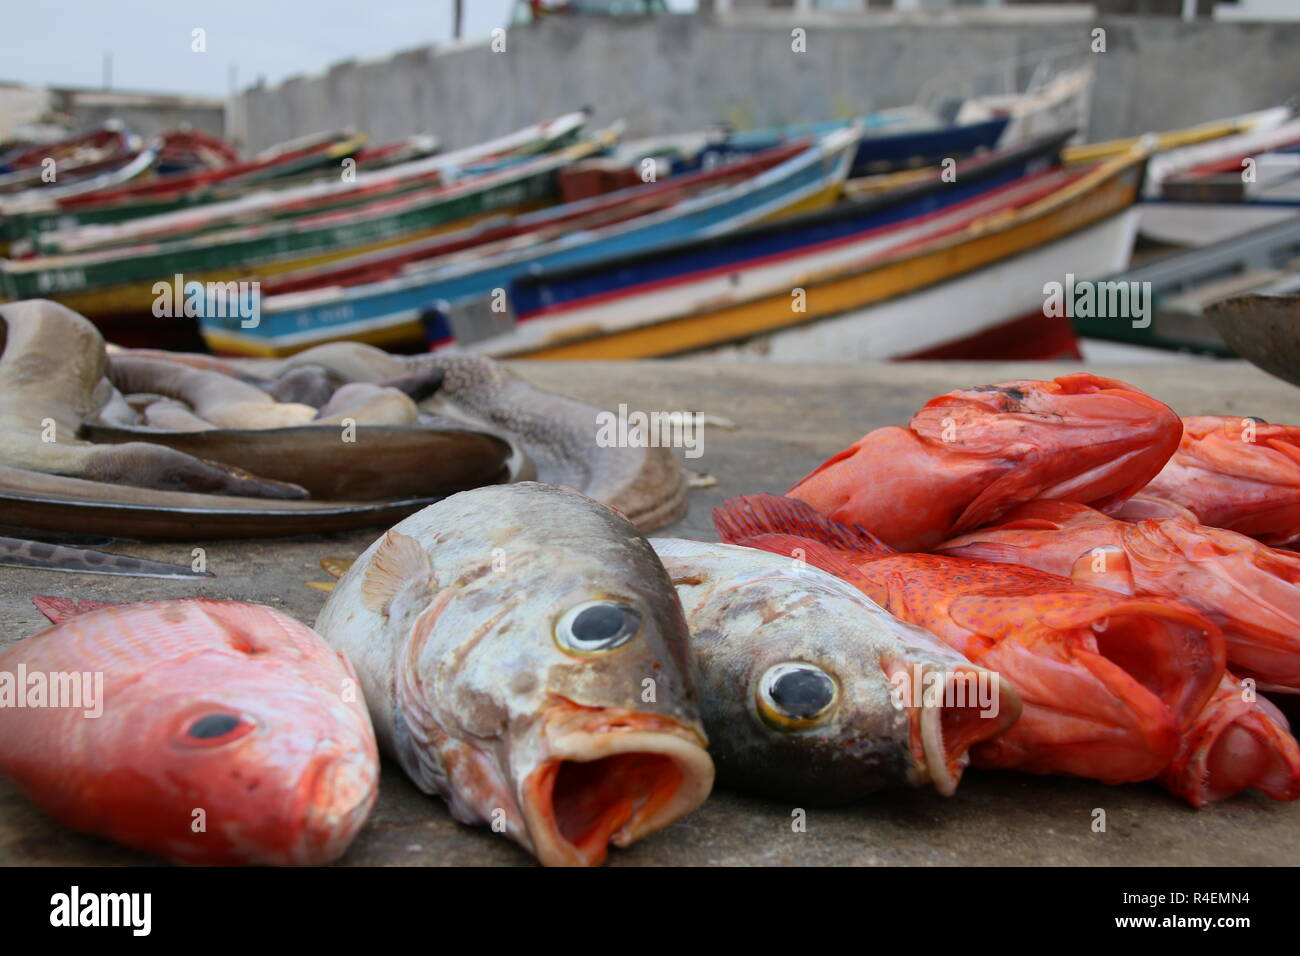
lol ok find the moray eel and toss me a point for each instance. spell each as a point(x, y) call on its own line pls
point(553, 437)
point(559, 435)
point(308, 385)
point(369, 405)
point(167, 414)
point(51, 368)
point(381, 461)
point(16, 553)
point(224, 401)
point(29, 499)
point(556, 434)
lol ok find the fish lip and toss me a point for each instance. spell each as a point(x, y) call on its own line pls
point(944, 773)
point(648, 735)
point(930, 746)
point(336, 796)
point(1276, 771)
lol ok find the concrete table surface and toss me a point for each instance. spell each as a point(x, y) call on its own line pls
point(789, 418)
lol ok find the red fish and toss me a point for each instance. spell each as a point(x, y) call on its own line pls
point(971, 455)
point(1237, 473)
point(208, 732)
point(1108, 682)
point(1250, 590)
point(1238, 742)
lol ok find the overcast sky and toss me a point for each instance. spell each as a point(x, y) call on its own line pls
point(64, 43)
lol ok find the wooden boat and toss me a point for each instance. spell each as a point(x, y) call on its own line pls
point(960, 272)
point(275, 205)
point(143, 163)
point(1192, 224)
point(389, 311)
point(1217, 153)
point(286, 159)
point(594, 212)
point(1185, 283)
point(102, 148)
point(1275, 180)
point(864, 186)
point(1059, 100)
point(1179, 138)
point(663, 282)
point(36, 211)
point(185, 150)
point(114, 281)
point(404, 150)
point(908, 141)
point(38, 217)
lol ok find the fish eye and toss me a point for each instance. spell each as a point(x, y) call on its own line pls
point(215, 728)
point(596, 627)
point(796, 696)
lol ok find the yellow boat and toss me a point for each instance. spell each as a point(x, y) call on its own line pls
point(1171, 139)
point(924, 290)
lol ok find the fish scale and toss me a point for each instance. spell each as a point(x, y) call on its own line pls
point(195, 698)
point(1133, 672)
point(1250, 590)
point(463, 622)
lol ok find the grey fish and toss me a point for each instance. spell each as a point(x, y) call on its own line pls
point(814, 693)
point(525, 657)
point(17, 553)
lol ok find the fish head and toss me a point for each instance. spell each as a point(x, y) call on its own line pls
point(258, 750)
point(814, 692)
point(1076, 438)
point(1237, 473)
point(547, 664)
point(1239, 741)
point(276, 774)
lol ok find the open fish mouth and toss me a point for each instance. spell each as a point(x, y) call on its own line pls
point(944, 729)
point(611, 776)
point(1236, 744)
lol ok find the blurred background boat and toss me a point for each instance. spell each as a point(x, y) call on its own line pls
point(928, 230)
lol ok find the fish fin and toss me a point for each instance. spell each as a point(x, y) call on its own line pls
point(1105, 567)
point(398, 560)
point(752, 515)
point(994, 551)
point(326, 586)
point(60, 609)
point(817, 554)
point(336, 567)
point(833, 460)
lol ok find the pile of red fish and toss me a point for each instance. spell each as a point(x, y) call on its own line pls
point(1123, 569)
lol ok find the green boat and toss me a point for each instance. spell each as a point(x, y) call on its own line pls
point(47, 226)
point(1161, 303)
point(112, 281)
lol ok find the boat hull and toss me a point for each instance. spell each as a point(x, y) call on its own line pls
point(391, 312)
point(837, 321)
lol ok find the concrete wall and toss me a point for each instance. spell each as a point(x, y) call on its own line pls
point(143, 113)
point(77, 109)
point(684, 72)
point(20, 106)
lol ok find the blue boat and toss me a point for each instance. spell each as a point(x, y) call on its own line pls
point(544, 290)
point(886, 147)
point(389, 312)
